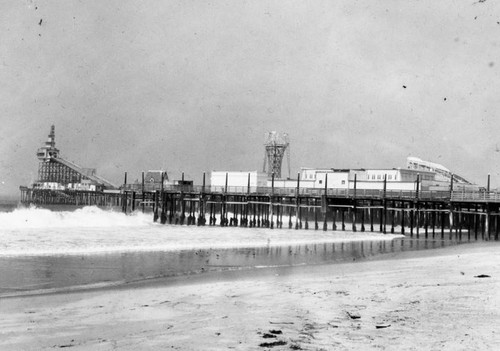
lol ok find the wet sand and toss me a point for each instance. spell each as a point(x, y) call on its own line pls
point(432, 299)
point(33, 274)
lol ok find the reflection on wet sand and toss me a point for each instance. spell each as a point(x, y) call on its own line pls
point(24, 274)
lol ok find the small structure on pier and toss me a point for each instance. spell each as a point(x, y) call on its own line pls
point(151, 180)
point(155, 177)
point(56, 173)
point(237, 181)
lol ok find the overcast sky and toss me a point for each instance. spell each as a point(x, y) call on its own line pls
point(194, 85)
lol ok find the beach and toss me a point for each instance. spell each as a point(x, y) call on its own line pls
point(441, 299)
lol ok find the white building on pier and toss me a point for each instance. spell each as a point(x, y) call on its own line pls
point(430, 176)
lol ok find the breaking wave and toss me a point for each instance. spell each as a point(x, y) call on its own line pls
point(37, 231)
point(87, 217)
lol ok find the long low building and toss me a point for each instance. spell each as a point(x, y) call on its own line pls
point(394, 179)
point(403, 179)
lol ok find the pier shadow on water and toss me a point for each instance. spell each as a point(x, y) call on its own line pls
point(39, 274)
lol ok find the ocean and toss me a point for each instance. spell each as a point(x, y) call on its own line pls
point(43, 250)
point(8, 205)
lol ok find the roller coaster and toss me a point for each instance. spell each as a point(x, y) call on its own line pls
point(54, 172)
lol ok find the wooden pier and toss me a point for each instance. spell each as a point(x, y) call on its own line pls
point(43, 197)
point(419, 213)
point(430, 214)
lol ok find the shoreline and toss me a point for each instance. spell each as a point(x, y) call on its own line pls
point(259, 272)
point(41, 274)
point(208, 246)
point(429, 299)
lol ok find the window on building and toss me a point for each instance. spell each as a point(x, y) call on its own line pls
point(343, 182)
point(373, 176)
point(390, 176)
point(379, 176)
point(321, 182)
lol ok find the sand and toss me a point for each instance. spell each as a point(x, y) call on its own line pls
point(426, 300)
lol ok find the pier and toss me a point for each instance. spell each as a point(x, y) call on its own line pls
point(368, 200)
point(454, 213)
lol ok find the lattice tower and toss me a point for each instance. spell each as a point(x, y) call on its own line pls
point(276, 146)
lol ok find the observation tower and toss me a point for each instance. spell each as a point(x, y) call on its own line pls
point(277, 145)
point(49, 151)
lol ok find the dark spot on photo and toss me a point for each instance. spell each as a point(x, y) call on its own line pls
point(273, 344)
point(267, 336)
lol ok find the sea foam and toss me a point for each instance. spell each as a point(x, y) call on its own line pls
point(86, 217)
point(91, 230)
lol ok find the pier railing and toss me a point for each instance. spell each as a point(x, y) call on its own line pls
point(331, 192)
point(475, 196)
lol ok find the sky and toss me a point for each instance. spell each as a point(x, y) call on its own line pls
point(194, 86)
